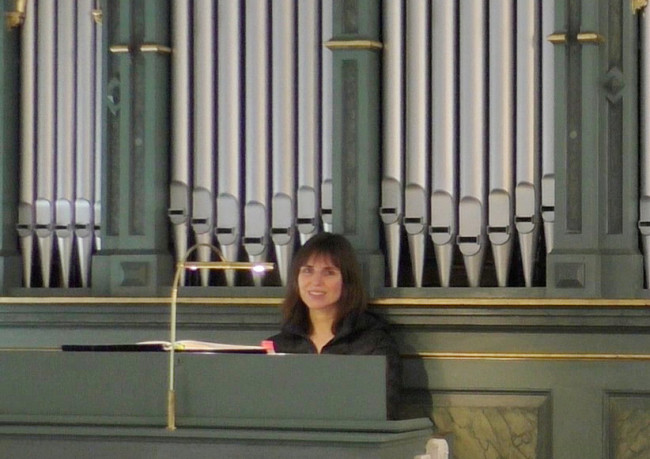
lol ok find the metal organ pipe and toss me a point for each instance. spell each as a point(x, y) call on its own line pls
point(327, 120)
point(527, 140)
point(179, 193)
point(444, 146)
point(65, 133)
point(204, 127)
point(98, 119)
point(256, 209)
point(228, 133)
point(417, 86)
point(283, 84)
point(308, 193)
point(548, 120)
point(28, 68)
point(472, 206)
point(501, 135)
point(85, 137)
point(45, 134)
point(392, 135)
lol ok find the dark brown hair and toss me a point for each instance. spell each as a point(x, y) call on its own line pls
point(340, 252)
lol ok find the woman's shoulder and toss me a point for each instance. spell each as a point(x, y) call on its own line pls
point(371, 320)
point(373, 328)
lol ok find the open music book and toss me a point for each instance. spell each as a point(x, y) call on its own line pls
point(206, 346)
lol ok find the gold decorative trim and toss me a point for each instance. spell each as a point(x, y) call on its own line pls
point(638, 5)
point(503, 356)
point(590, 38)
point(144, 48)
point(16, 18)
point(437, 303)
point(371, 45)
point(98, 15)
point(120, 49)
point(557, 38)
point(140, 301)
point(155, 48)
point(528, 356)
point(512, 302)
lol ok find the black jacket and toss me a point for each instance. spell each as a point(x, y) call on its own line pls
point(364, 334)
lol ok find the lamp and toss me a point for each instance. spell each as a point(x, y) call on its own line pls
point(181, 266)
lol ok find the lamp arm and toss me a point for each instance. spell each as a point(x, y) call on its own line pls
point(171, 395)
point(178, 275)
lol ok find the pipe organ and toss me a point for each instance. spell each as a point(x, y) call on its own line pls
point(468, 182)
point(473, 120)
point(60, 131)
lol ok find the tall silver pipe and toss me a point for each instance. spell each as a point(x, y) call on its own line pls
point(392, 194)
point(204, 129)
point(327, 115)
point(416, 193)
point(444, 146)
point(179, 193)
point(256, 209)
point(85, 136)
point(283, 84)
point(228, 205)
point(527, 140)
point(548, 120)
point(472, 209)
point(27, 140)
point(99, 122)
point(644, 129)
point(501, 135)
point(65, 134)
point(309, 45)
point(45, 134)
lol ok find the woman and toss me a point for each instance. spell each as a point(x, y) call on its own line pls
point(325, 309)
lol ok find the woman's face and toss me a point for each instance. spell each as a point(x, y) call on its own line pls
point(320, 283)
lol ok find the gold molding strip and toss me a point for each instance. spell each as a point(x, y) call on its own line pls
point(98, 15)
point(512, 302)
point(144, 48)
point(155, 48)
point(527, 356)
point(558, 38)
point(119, 49)
point(592, 38)
point(371, 45)
point(437, 303)
point(16, 18)
point(503, 356)
point(638, 5)
point(140, 301)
